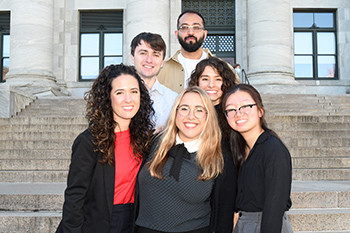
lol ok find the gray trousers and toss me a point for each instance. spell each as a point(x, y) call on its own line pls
point(250, 222)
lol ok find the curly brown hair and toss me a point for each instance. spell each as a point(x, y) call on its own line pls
point(99, 114)
point(228, 76)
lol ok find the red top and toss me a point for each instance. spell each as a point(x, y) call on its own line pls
point(126, 169)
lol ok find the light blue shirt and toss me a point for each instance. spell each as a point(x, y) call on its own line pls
point(163, 100)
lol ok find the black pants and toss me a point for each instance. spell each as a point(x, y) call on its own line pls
point(122, 218)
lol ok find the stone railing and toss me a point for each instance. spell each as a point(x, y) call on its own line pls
point(13, 100)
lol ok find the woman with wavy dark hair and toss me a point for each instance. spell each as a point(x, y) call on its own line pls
point(215, 77)
point(107, 156)
point(263, 163)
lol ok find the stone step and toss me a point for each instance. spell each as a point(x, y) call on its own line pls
point(67, 143)
point(36, 144)
point(38, 135)
point(307, 119)
point(320, 220)
point(24, 222)
point(280, 126)
point(32, 196)
point(7, 129)
point(320, 194)
point(24, 176)
point(60, 164)
point(322, 133)
point(35, 154)
point(340, 231)
point(39, 206)
point(324, 174)
point(320, 206)
point(55, 132)
point(49, 196)
point(33, 176)
point(317, 142)
point(319, 163)
point(34, 164)
point(53, 120)
point(312, 152)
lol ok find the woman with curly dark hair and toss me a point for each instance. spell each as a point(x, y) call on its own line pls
point(107, 156)
point(215, 77)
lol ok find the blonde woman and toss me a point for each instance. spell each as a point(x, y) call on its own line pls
point(188, 183)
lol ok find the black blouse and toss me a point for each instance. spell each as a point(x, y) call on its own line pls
point(264, 183)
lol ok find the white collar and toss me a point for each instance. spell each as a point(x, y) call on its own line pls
point(191, 146)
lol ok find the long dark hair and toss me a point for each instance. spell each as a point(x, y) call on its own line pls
point(100, 114)
point(237, 142)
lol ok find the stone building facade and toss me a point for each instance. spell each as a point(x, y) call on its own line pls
point(46, 44)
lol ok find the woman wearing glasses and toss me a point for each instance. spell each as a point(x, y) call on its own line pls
point(263, 163)
point(186, 185)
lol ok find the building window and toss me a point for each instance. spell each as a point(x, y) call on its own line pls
point(315, 45)
point(4, 44)
point(220, 23)
point(101, 42)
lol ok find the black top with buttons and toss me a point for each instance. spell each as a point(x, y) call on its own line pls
point(264, 183)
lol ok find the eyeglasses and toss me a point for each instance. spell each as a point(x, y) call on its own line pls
point(245, 109)
point(199, 112)
point(186, 28)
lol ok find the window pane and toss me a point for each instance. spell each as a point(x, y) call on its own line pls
point(302, 42)
point(210, 43)
point(5, 67)
point(303, 19)
point(113, 44)
point(226, 43)
point(112, 60)
point(326, 66)
point(326, 43)
point(6, 46)
point(89, 67)
point(89, 44)
point(303, 66)
point(324, 19)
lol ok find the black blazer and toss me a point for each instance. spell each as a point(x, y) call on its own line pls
point(223, 197)
point(90, 190)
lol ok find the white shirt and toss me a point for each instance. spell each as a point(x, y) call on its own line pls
point(191, 146)
point(163, 100)
point(190, 65)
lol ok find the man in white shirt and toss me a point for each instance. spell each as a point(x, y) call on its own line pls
point(191, 34)
point(147, 54)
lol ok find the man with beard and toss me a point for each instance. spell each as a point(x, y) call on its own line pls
point(191, 34)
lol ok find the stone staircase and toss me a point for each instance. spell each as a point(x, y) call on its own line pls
point(35, 149)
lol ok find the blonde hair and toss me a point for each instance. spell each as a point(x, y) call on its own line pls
point(209, 155)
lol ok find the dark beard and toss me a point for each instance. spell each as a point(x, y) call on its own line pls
point(191, 47)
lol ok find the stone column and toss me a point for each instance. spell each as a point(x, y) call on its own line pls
point(270, 38)
point(146, 16)
point(31, 44)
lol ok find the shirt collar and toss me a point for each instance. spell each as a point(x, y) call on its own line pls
point(191, 146)
point(157, 86)
point(263, 137)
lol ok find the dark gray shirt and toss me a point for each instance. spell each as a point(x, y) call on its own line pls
point(174, 206)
